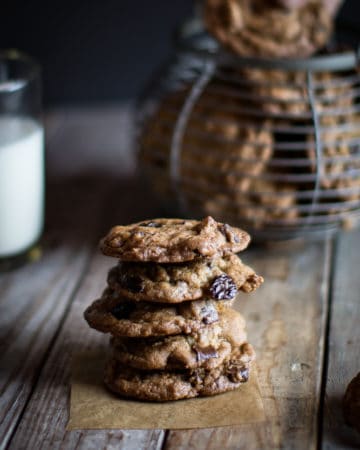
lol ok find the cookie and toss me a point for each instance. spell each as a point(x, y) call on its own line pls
point(120, 317)
point(207, 348)
point(219, 278)
point(263, 204)
point(220, 150)
point(259, 28)
point(339, 132)
point(238, 194)
point(286, 92)
point(173, 240)
point(331, 5)
point(163, 386)
point(351, 403)
point(340, 157)
point(279, 92)
point(216, 141)
point(229, 145)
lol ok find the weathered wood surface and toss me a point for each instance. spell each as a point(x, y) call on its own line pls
point(34, 298)
point(42, 304)
point(344, 343)
point(286, 323)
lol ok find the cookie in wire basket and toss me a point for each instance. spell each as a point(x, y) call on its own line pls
point(260, 28)
point(216, 146)
point(285, 96)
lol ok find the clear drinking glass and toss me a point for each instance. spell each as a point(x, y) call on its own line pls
point(21, 157)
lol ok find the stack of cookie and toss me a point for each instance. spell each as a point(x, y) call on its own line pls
point(168, 309)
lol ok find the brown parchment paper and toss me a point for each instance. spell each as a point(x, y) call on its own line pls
point(93, 407)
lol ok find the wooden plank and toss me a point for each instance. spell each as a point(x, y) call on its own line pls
point(286, 324)
point(44, 421)
point(34, 298)
point(344, 343)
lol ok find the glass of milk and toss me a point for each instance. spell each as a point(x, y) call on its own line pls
point(21, 157)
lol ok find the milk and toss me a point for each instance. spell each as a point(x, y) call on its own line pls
point(21, 183)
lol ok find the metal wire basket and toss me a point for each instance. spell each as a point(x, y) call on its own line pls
point(270, 145)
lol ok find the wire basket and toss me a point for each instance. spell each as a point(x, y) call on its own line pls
point(269, 145)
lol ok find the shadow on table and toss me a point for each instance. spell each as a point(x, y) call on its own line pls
point(336, 428)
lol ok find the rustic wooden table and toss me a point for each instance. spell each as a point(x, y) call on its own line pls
point(304, 321)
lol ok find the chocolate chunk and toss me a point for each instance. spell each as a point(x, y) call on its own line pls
point(196, 377)
point(132, 283)
point(223, 288)
point(116, 242)
point(223, 228)
point(228, 233)
point(151, 224)
point(123, 310)
point(238, 374)
point(202, 354)
point(209, 315)
point(244, 373)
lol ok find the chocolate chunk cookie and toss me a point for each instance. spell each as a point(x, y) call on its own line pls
point(219, 278)
point(264, 203)
point(216, 143)
point(352, 403)
point(173, 240)
point(120, 317)
point(163, 386)
point(207, 348)
point(340, 157)
point(259, 28)
point(279, 91)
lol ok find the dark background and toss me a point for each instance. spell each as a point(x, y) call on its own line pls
point(104, 51)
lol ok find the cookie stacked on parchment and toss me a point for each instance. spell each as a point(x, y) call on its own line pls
point(168, 309)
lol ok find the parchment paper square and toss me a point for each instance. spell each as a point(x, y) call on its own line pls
point(93, 407)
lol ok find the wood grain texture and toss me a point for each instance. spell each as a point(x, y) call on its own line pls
point(44, 422)
point(344, 343)
point(34, 298)
point(286, 323)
